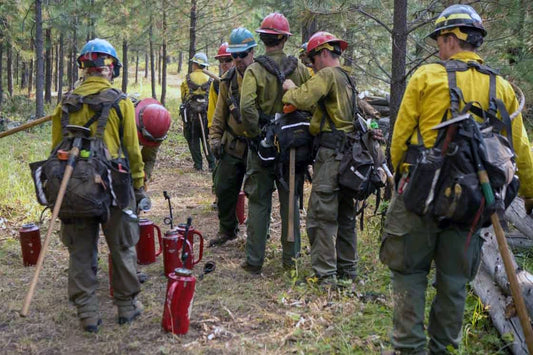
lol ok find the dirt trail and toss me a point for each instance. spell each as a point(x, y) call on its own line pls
point(232, 309)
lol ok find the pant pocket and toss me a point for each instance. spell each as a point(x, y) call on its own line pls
point(392, 252)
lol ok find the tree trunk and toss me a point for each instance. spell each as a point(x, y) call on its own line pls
point(9, 69)
point(180, 62)
point(60, 68)
point(74, 53)
point(39, 60)
point(152, 64)
point(397, 87)
point(56, 65)
point(23, 76)
point(124, 65)
point(137, 67)
point(30, 71)
point(48, 70)
point(308, 28)
point(192, 33)
point(146, 65)
point(158, 65)
point(164, 59)
point(17, 65)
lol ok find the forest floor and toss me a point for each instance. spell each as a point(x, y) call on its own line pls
point(234, 312)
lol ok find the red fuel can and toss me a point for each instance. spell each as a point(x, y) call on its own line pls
point(239, 210)
point(30, 243)
point(172, 249)
point(146, 253)
point(179, 300)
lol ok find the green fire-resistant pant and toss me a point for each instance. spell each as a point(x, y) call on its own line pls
point(409, 246)
point(228, 181)
point(192, 130)
point(331, 221)
point(80, 237)
point(149, 155)
point(260, 183)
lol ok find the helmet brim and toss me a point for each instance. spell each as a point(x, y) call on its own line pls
point(273, 31)
point(237, 48)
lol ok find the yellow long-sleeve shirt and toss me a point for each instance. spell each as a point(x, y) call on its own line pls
point(427, 99)
point(93, 85)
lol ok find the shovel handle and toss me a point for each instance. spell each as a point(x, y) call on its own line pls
point(290, 228)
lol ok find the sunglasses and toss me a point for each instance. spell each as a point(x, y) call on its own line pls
point(240, 54)
point(225, 60)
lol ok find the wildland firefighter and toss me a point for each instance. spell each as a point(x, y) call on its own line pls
point(261, 94)
point(153, 122)
point(225, 62)
point(100, 64)
point(193, 111)
point(331, 212)
point(445, 230)
point(228, 143)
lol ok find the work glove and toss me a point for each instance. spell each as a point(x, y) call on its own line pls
point(142, 201)
point(377, 134)
point(216, 148)
point(528, 203)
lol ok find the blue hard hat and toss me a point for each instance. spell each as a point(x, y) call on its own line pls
point(99, 46)
point(201, 59)
point(241, 40)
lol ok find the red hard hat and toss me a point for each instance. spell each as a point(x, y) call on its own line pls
point(322, 37)
point(153, 122)
point(275, 24)
point(223, 51)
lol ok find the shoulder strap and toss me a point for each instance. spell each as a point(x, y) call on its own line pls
point(495, 104)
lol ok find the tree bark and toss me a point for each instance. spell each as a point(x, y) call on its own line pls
point(137, 67)
point(159, 60)
point(9, 69)
point(180, 62)
point(152, 64)
point(164, 58)
point(60, 67)
point(192, 33)
point(146, 65)
point(56, 65)
point(39, 60)
point(397, 87)
point(48, 70)
point(124, 65)
point(74, 53)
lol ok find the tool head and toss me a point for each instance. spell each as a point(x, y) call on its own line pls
point(452, 121)
point(78, 131)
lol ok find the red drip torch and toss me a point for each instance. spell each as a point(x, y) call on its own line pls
point(180, 295)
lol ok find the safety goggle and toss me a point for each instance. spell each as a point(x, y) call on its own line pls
point(240, 54)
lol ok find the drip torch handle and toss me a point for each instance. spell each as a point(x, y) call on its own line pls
point(184, 254)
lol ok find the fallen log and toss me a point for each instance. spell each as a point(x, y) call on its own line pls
point(497, 306)
point(493, 264)
point(516, 215)
point(518, 241)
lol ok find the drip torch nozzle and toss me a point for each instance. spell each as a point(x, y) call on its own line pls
point(168, 220)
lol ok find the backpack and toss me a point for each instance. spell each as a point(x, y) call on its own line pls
point(97, 183)
point(455, 195)
point(283, 132)
point(197, 104)
point(360, 170)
